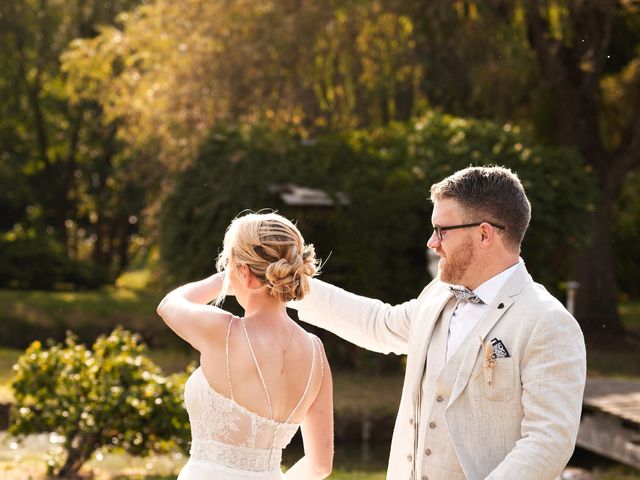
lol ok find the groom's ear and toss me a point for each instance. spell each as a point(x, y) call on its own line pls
point(486, 233)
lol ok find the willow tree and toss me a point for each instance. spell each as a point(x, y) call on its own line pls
point(172, 70)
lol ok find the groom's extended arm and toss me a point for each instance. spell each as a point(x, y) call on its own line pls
point(367, 322)
point(553, 377)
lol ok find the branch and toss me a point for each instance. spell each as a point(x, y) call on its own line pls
point(536, 28)
point(555, 58)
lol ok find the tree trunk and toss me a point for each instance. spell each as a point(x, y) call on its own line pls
point(123, 245)
point(596, 298)
point(576, 92)
point(71, 468)
point(101, 254)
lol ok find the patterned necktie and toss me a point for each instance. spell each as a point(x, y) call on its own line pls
point(464, 295)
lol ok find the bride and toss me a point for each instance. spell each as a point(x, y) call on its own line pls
point(261, 376)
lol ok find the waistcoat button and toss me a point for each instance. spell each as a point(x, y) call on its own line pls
point(427, 451)
point(432, 425)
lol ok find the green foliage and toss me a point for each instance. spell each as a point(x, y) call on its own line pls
point(30, 260)
point(626, 245)
point(377, 240)
point(111, 396)
point(211, 193)
point(62, 171)
point(560, 189)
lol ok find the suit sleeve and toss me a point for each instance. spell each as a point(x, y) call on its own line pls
point(366, 322)
point(553, 373)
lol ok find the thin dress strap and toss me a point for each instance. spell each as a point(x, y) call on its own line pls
point(255, 361)
point(311, 370)
point(304, 394)
point(226, 347)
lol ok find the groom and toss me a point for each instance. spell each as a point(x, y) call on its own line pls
point(496, 366)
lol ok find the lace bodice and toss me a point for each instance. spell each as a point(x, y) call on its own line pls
point(230, 435)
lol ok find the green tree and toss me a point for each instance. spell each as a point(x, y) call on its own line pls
point(61, 151)
point(111, 396)
point(569, 69)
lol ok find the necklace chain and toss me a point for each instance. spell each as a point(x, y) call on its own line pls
point(283, 350)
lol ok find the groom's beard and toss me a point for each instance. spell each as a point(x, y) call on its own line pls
point(454, 266)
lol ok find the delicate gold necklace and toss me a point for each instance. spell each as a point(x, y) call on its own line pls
point(284, 350)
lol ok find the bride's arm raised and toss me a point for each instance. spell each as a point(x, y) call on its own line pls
point(186, 311)
point(317, 434)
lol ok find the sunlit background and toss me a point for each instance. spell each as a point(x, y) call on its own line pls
point(132, 132)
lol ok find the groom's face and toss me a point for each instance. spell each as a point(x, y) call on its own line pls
point(456, 248)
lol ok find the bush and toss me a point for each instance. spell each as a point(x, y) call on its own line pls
point(35, 261)
point(232, 173)
point(111, 396)
point(561, 190)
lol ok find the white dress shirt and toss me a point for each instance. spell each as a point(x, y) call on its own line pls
point(467, 315)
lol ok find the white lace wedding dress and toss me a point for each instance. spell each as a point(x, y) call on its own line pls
point(230, 442)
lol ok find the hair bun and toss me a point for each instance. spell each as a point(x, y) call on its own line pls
point(274, 250)
point(279, 271)
point(288, 279)
point(309, 261)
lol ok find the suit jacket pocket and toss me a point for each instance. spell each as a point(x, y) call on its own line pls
point(499, 385)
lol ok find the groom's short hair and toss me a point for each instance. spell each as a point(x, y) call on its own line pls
point(493, 194)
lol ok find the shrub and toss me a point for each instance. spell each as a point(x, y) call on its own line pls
point(561, 190)
point(32, 261)
point(111, 396)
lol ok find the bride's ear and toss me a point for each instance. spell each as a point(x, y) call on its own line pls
point(249, 279)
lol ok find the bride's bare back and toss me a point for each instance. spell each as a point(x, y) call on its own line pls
point(290, 378)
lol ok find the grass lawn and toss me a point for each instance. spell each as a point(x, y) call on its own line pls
point(104, 302)
point(40, 315)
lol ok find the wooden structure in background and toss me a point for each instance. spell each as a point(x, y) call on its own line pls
point(610, 424)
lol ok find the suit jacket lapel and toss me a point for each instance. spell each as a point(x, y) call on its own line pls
point(422, 337)
point(465, 358)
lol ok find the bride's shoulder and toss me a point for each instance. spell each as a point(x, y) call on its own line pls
point(313, 338)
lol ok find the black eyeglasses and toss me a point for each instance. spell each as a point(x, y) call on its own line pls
point(438, 230)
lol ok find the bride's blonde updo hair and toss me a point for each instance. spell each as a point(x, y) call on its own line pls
point(274, 250)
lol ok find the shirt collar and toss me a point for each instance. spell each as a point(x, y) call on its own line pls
point(488, 291)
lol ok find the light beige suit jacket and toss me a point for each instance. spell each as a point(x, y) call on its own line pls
point(523, 425)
